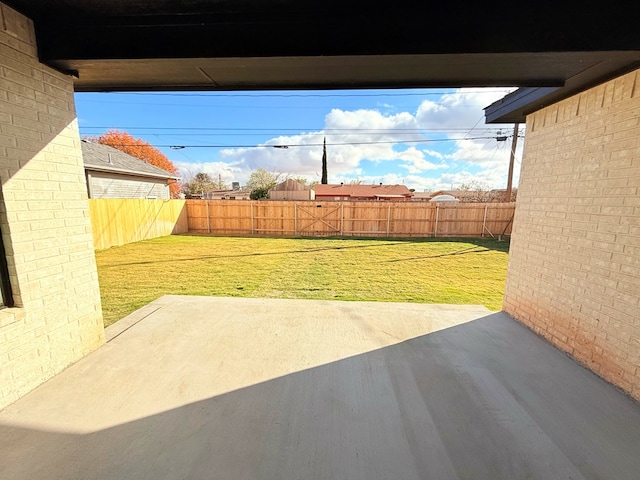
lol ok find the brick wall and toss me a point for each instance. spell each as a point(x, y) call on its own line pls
point(44, 219)
point(574, 265)
point(111, 185)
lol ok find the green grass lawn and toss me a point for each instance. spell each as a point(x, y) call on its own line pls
point(469, 271)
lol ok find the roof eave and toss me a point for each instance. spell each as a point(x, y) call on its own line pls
point(101, 168)
point(514, 107)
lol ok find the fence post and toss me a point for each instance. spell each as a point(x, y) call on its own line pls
point(252, 227)
point(427, 220)
point(484, 221)
point(341, 219)
point(435, 228)
point(295, 219)
point(388, 218)
point(208, 217)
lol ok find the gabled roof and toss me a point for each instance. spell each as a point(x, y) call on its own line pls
point(225, 193)
point(290, 185)
point(359, 191)
point(103, 158)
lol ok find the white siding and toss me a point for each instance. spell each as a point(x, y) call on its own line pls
point(111, 185)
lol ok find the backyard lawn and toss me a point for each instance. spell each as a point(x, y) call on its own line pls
point(456, 271)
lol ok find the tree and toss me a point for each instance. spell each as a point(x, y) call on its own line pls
point(260, 182)
point(301, 180)
point(259, 193)
point(325, 176)
point(202, 182)
point(136, 147)
point(474, 186)
point(476, 192)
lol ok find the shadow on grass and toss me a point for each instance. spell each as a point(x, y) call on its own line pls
point(480, 245)
point(464, 251)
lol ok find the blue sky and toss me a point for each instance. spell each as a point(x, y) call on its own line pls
point(425, 139)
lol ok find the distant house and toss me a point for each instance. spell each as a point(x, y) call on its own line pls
point(444, 198)
point(422, 196)
point(363, 192)
point(232, 194)
point(291, 190)
point(111, 173)
point(472, 196)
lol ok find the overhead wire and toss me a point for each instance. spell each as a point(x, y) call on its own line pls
point(393, 93)
point(300, 129)
point(319, 144)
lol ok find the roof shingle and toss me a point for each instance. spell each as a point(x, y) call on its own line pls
point(105, 158)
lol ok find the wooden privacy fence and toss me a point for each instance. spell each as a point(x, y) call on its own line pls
point(365, 219)
point(121, 221)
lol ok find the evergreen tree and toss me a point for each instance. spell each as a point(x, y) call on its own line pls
point(325, 175)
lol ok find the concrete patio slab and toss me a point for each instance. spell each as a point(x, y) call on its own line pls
point(228, 388)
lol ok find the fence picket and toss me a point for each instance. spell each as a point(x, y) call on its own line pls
point(120, 221)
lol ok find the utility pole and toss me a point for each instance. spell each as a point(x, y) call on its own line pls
point(512, 157)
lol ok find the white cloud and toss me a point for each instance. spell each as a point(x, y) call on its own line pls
point(462, 109)
point(352, 136)
point(391, 141)
point(415, 162)
point(229, 172)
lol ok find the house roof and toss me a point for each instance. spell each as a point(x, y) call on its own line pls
point(371, 191)
point(104, 158)
point(422, 195)
point(227, 192)
point(290, 185)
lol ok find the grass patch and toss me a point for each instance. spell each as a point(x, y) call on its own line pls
point(467, 271)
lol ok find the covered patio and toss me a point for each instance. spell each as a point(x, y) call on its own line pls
point(228, 388)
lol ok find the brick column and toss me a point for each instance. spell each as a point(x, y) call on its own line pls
point(574, 264)
point(44, 216)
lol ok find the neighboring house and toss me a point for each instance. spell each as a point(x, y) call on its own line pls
point(111, 173)
point(233, 194)
point(291, 190)
point(362, 192)
point(469, 196)
point(422, 196)
point(444, 198)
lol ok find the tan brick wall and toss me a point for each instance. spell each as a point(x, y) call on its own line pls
point(574, 265)
point(44, 216)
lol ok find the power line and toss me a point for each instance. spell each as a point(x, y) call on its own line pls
point(351, 134)
point(265, 107)
point(289, 145)
point(317, 95)
point(301, 130)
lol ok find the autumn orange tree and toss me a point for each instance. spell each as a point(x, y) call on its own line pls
point(136, 147)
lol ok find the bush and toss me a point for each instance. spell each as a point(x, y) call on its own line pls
point(259, 193)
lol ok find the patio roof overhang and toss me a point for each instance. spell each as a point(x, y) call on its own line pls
point(112, 45)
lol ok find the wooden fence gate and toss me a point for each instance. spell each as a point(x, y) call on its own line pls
point(318, 220)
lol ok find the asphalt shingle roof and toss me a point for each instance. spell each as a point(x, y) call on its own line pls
point(105, 158)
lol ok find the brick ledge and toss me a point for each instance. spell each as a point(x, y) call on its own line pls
point(11, 315)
